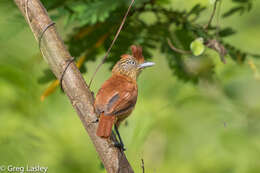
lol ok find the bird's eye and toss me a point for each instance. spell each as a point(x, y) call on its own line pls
point(131, 62)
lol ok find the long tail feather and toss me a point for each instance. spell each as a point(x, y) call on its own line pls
point(105, 126)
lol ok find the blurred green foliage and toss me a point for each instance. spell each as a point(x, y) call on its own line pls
point(176, 127)
point(155, 23)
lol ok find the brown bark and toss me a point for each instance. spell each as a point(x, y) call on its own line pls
point(56, 54)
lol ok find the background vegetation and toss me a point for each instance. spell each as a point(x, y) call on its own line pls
point(193, 115)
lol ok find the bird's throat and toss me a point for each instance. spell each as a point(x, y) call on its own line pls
point(130, 75)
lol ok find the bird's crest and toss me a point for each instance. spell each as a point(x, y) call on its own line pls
point(137, 52)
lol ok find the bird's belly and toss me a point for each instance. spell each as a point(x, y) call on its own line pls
point(122, 117)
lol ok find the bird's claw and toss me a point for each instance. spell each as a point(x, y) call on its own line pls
point(119, 146)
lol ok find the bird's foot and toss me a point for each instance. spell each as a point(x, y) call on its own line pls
point(119, 146)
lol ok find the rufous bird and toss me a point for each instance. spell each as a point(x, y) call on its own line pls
point(117, 97)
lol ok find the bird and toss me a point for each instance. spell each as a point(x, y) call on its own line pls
point(116, 99)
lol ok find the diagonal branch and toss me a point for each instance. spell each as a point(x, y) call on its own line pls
point(56, 55)
point(212, 15)
point(176, 49)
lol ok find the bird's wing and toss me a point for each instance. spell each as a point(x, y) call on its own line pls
point(116, 96)
point(125, 102)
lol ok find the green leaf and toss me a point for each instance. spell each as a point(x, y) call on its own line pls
point(197, 9)
point(185, 37)
point(226, 32)
point(97, 11)
point(233, 11)
point(51, 5)
point(197, 47)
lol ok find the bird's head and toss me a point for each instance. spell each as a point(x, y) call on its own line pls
point(131, 65)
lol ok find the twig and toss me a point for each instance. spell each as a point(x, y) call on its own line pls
point(212, 15)
point(176, 49)
point(215, 44)
point(142, 165)
point(218, 20)
point(56, 54)
point(218, 47)
point(117, 33)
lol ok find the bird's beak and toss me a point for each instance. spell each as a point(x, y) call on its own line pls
point(146, 64)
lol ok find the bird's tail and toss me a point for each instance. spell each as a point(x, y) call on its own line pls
point(105, 125)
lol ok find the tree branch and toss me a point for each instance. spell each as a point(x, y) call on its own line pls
point(176, 49)
point(212, 15)
point(55, 53)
